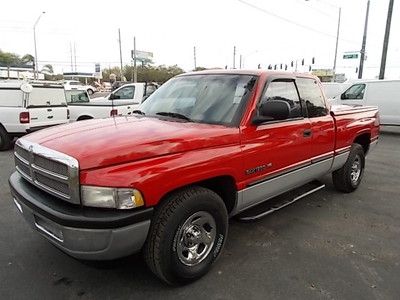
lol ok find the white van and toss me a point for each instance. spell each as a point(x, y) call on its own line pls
point(333, 89)
point(27, 107)
point(382, 93)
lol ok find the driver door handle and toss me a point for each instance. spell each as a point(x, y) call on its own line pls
point(307, 133)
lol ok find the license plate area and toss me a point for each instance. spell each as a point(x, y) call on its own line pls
point(49, 229)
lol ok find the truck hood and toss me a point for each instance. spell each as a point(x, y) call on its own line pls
point(104, 142)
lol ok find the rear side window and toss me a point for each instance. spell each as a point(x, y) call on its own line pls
point(311, 96)
point(284, 91)
point(355, 92)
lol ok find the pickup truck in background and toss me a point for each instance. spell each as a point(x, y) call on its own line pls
point(29, 106)
point(130, 93)
point(81, 107)
point(205, 147)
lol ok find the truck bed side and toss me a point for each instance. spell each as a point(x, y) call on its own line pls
point(360, 124)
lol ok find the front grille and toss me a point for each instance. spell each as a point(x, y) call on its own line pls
point(49, 170)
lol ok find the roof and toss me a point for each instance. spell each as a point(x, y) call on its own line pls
point(256, 72)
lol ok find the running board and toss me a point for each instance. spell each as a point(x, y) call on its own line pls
point(281, 201)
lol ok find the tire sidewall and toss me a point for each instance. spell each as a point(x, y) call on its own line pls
point(356, 151)
point(173, 268)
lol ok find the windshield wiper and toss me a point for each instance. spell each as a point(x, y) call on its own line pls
point(173, 115)
point(139, 112)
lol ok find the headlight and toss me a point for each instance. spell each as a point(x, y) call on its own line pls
point(111, 197)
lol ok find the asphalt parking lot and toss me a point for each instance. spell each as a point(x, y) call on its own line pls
point(328, 245)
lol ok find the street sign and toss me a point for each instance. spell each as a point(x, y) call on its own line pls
point(142, 55)
point(350, 56)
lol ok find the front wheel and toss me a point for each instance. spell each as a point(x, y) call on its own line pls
point(348, 178)
point(5, 140)
point(187, 235)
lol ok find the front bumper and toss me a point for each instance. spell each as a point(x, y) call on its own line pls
point(84, 233)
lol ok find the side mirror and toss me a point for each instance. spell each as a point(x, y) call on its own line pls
point(343, 96)
point(272, 110)
point(111, 97)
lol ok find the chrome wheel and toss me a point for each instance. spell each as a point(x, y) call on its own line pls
point(355, 170)
point(196, 238)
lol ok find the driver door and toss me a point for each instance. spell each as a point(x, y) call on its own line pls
point(276, 152)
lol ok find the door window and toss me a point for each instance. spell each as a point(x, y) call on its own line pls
point(125, 93)
point(311, 96)
point(279, 90)
point(355, 92)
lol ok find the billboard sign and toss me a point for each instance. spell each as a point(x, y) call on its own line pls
point(143, 56)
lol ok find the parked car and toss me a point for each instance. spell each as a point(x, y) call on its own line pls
point(130, 92)
point(69, 84)
point(204, 147)
point(383, 93)
point(27, 107)
point(81, 107)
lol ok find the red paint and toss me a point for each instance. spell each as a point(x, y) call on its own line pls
point(157, 156)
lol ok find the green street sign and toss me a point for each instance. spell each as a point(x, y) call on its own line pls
point(350, 56)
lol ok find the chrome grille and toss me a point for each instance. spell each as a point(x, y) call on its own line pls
point(49, 170)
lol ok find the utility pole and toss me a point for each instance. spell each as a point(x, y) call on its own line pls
point(35, 71)
point(134, 60)
point(70, 51)
point(75, 55)
point(240, 61)
point(234, 57)
point(386, 40)
point(337, 44)
point(364, 42)
point(120, 51)
point(194, 57)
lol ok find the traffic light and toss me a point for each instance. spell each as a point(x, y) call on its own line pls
point(302, 62)
point(356, 70)
point(285, 67)
point(292, 64)
point(309, 68)
point(270, 67)
point(259, 66)
point(313, 60)
point(275, 67)
point(281, 67)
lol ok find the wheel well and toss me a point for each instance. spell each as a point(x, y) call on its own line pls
point(364, 140)
point(224, 186)
point(81, 118)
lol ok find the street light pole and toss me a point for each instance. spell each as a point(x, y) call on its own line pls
point(364, 42)
point(337, 44)
point(386, 40)
point(35, 71)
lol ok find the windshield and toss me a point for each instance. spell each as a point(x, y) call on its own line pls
point(213, 99)
point(75, 96)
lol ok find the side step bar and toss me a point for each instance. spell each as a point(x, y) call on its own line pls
point(281, 201)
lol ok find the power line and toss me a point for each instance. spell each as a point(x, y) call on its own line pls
point(292, 22)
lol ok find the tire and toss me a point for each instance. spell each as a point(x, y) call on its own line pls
point(5, 139)
point(184, 219)
point(90, 92)
point(348, 178)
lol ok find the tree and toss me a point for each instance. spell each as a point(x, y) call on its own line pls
point(48, 69)
point(146, 73)
point(8, 59)
point(28, 59)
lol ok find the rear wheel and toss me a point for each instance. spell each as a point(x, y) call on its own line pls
point(5, 139)
point(348, 178)
point(187, 235)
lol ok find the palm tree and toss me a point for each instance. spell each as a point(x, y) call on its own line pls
point(48, 69)
point(28, 59)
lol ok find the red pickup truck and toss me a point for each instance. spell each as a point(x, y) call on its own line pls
point(204, 147)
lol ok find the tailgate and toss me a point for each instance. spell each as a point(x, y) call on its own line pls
point(47, 116)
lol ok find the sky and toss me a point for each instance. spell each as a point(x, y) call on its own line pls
point(263, 31)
